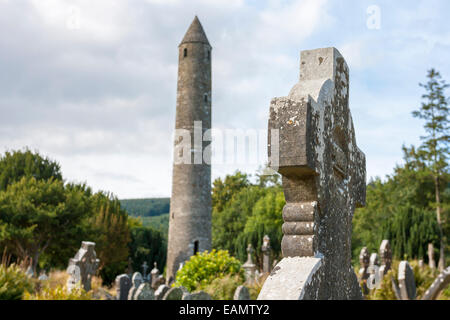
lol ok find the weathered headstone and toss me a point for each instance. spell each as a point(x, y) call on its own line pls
point(421, 264)
point(266, 251)
point(312, 145)
point(249, 266)
point(406, 282)
point(386, 257)
point(144, 271)
point(123, 286)
point(441, 282)
point(201, 295)
point(364, 262)
point(156, 278)
point(374, 280)
point(431, 261)
point(136, 281)
point(83, 266)
point(175, 293)
point(161, 291)
point(241, 293)
point(144, 292)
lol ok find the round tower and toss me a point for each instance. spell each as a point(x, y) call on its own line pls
point(190, 206)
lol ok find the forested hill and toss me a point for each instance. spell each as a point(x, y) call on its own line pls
point(146, 207)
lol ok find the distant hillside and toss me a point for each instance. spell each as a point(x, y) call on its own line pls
point(160, 223)
point(146, 207)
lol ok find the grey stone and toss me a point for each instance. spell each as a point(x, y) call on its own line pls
point(175, 293)
point(201, 295)
point(190, 205)
point(441, 282)
point(136, 281)
point(386, 257)
point(83, 266)
point(161, 291)
point(145, 292)
point(43, 277)
point(249, 266)
point(267, 256)
point(123, 286)
point(241, 293)
point(312, 145)
point(30, 272)
point(431, 261)
point(364, 262)
point(406, 281)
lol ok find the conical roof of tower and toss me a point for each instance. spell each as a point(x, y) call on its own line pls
point(195, 33)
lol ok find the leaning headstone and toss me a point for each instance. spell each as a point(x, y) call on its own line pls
point(201, 295)
point(241, 293)
point(386, 257)
point(431, 261)
point(312, 145)
point(161, 291)
point(266, 252)
point(144, 292)
point(175, 293)
point(123, 286)
point(441, 282)
point(249, 266)
point(136, 281)
point(406, 281)
point(83, 266)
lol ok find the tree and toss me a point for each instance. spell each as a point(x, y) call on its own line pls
point(17, 164)
point(147, 245)
point(109, 229)
point(36, 213)
point(434, 150)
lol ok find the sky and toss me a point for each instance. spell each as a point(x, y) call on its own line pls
point(92, 84)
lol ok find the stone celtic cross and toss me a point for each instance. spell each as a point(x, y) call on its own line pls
point(312, 145)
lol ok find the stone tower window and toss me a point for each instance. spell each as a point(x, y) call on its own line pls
point(195, 247)
point(185, 52)
point(205, 98)
point(209, 55)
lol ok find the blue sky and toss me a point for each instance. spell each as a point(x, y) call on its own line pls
point(92, 84)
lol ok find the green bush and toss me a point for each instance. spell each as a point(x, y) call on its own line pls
point(13, 283)
point(203, 268)
point(223, 288)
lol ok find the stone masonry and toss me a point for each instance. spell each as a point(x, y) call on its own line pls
point(190, 207)
point(312, 145)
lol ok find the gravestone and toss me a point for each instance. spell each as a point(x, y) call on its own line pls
point(201, 295)
point(312, 145)
point(175, 293)
point(374, 280)
point(441, 282)
point(123, 286)
point(30, 272)
point(431, 261)
point(83, 266)
point(364, 262)
point(249, 266)
point(144, 272)
point(156, 278)
point(386, 257)
point(144, 292)
point(266, 251)
point(406, 282)
point(161, 291)
point(421, 264)
point(43, 277)
point(136, 281)
point(241, 293)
